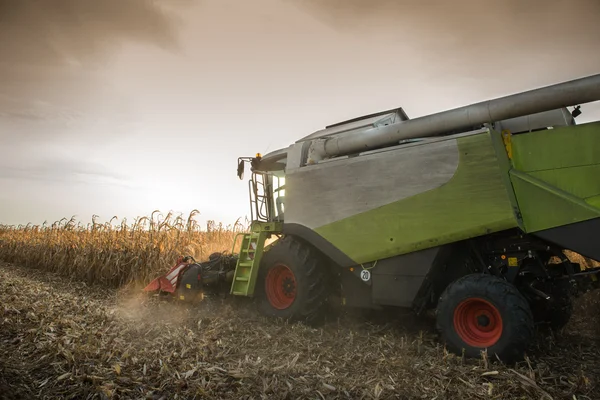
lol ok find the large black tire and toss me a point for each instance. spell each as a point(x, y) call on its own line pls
point(291, 282)
point(479, 312)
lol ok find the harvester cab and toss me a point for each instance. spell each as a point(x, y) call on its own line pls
point(266, 192)
point(468, 212)
point(266, 189)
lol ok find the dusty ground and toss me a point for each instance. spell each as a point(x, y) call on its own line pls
point(61, 339)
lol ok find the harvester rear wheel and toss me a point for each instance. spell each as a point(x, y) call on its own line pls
point(291, 282)
point(479, 312)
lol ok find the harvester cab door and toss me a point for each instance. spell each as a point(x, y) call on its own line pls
point(267, 197)
point(279, 197)
point(261, 199)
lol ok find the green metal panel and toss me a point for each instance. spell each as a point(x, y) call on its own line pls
point(251, 252)
point(505, 165)
point(544, 206)
point(593, 201)
point(474, 202)
point(581, 181)
point(556, 175)
point(562, 147)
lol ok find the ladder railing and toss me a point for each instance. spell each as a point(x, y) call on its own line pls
point(259, 198)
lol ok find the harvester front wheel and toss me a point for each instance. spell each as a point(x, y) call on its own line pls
point(291, 282)
point(482, 312)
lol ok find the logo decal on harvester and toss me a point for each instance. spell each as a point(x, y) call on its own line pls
point(365, 275)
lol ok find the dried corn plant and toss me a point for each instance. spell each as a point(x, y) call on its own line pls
point(115, 253)
point(583, 261)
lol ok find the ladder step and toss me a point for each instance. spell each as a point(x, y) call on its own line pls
point(246, 272)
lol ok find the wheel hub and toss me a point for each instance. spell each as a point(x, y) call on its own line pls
point(478, 322)
point(280, 287)
point(483, 320)
point(289, 285)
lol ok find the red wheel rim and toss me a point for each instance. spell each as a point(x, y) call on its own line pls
point(478, 322)
point(280, 287)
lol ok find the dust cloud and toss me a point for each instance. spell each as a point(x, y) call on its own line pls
point(133, 306)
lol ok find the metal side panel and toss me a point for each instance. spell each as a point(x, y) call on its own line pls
point(581, 237)
point(372, 120)
point(408, 280)
point(556, 175)
point(397, 280)
point(543, 120)
point(319, 242)
point(473, 202)
point(326, 193)
point(544, 206)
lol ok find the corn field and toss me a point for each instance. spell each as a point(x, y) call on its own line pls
point(115, 253)
point(63, 339)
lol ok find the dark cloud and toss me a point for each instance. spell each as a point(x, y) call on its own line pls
point(39, 121)
point(38, 111)
point(469, 21)
point(480, 37)
point(63, 169)
point(50, 50)
point(63, 32)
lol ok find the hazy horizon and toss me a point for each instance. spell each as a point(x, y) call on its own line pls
point(124, 107)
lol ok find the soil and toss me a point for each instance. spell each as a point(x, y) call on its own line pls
point(62, 339)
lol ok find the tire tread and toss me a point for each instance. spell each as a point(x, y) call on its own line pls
point(518, 314)
point(310, 264)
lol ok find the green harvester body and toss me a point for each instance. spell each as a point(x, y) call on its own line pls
point(392, 193)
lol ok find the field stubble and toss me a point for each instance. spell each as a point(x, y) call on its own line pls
point(96, 336)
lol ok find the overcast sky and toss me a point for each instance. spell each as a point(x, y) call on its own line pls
point(119, 108)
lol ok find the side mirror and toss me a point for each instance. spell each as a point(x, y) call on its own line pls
point(240, 169)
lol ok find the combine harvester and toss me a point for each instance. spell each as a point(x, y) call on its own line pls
point(466, 212)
